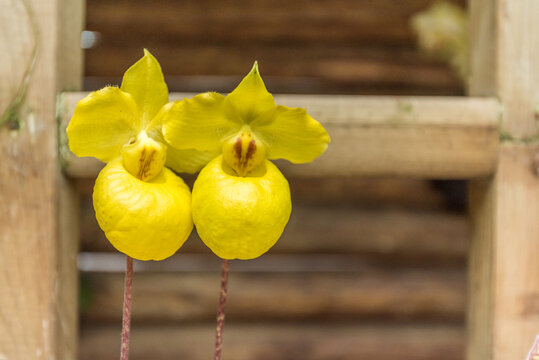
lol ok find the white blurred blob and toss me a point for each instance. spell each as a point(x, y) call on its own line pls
point(89, 39)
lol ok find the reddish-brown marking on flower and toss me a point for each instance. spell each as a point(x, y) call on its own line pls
point(251, 149)
point(243, 154)
point(238, 148)
point(145, 163)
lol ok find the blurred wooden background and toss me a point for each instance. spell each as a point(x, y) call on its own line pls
point(303, 46)
point(366, 269)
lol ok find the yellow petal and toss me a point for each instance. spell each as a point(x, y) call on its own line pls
point(145, 82)
point(187, 160)
point(250, 98)
point(292, 134)
point(180, 160)
point(145, 220)
point(103, 122)
point(198, 123)
point(184, 160)
point(240, 217)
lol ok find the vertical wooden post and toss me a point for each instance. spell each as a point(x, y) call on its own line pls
point(504, 271)
point(38, 230)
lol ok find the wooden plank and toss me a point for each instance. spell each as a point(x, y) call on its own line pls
point(481, 268)
point(38, 274)
point(517, 67)
point(406, 295)
point(313, 341)
point(481, 281)
point(261, 21)
point(505, 49)
point(505, 273)
point(396, 193)
point(371, 65)
point(354, 47)
point(339, 70)
point(396, 136)
point(516, 233)
point(387, 235)
point(69, 77)
point(274, 263)
point(483, 33)
point(502, 317)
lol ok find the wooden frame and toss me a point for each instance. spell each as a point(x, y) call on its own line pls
point(409, 136)
point(38, 232)
point(504, 273)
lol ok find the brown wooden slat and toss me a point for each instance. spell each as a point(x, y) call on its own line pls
point(272, 263)
point(345, 65)
point(265, 21)
point(375, 193)
point(375, 293)
point(355, 47)
point(312, 341)
point(287, 85)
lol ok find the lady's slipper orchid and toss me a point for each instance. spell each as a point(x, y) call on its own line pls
point(241, 201)
point(143, 207)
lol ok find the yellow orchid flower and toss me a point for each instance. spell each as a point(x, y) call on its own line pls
point(142, 206)
point(241, 201)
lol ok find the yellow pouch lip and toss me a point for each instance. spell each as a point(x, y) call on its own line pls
point(146, 220)
point(240, 217)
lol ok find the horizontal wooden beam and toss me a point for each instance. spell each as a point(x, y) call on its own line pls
point(428, 137)
point(375, 293)
point(313, 341)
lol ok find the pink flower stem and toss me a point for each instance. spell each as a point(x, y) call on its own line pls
point(221, 312)
point(126, 320)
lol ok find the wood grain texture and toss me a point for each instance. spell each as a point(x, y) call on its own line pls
point(505, 49)
point(261, 21)
point(69, 66)
point(503, 276)
point(313, 341)
point(38, 275)
point(516, 232)
point(377, 293)
point(518, 67)
point(504, 272)
point(16, 57)
point(340, 70)
point(432, 137)
point(483, 33)
point(350, 46)
point(481, 280)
